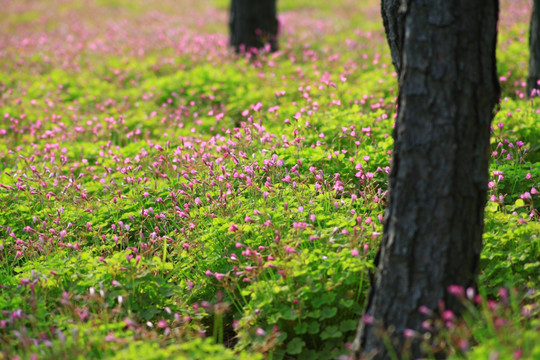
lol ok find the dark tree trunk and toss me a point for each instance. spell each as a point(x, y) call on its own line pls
point(393, 17)
point(533, 80)
point(433, 226)
point(253, 24)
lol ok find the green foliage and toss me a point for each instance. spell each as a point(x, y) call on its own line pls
point(194, 349)
point(163, 198)
point(511, 256)
point(312, 304)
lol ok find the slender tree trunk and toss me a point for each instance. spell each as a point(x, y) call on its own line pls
point(433, 226)
point(253, 24)
point(533, 80)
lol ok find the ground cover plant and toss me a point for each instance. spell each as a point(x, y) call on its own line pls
point(162, 197)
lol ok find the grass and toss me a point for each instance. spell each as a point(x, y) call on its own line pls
point(162, 198)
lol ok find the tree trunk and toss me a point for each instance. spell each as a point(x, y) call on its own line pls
point(433, 225)
point(393, 17)
point(533, 80)
point(253, 24)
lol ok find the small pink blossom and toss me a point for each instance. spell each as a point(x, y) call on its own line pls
point(290, 250)
point(367, 319)
point(526, 195)
point(409, 333)
point(448, 315)
point(425, 310)
point(162, 324)
point(463, 344)
point(219, 276)
point(456, 290)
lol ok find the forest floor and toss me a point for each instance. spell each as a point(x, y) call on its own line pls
point(161, 197)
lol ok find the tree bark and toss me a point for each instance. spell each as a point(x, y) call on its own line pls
point(393, 17)
point(434, 222)
point(533, 80)
point(253, 24)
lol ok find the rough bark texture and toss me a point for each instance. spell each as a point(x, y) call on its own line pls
point(534, 46)
point(392, 13)
point(433, 226)
point(253, 24)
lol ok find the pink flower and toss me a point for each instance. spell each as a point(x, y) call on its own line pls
point(503, 293)
point(409, 333)
point(526, 195)
point(456, 290)
point(425, 310)
point(233, 228)
point(162, 324)
point(219, 276)
point(448, 315)
point(289, 250)
point(463, 344)
point(354, 252)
